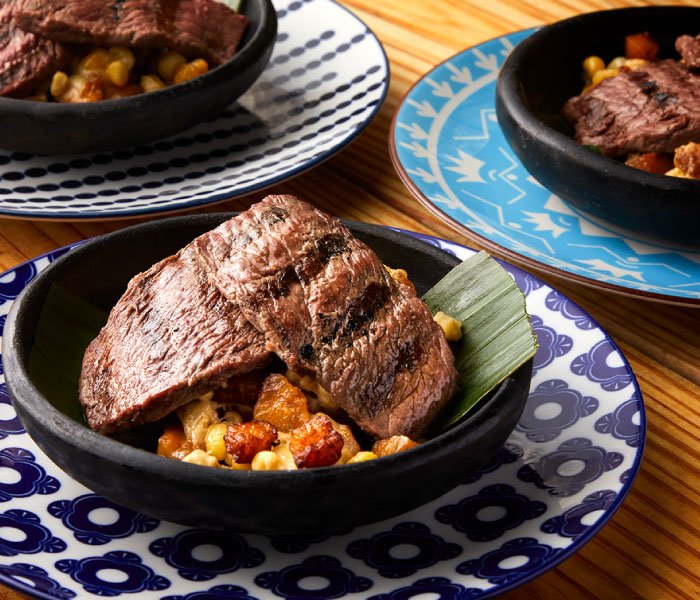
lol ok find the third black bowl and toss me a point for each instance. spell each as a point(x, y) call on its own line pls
point(543, 72)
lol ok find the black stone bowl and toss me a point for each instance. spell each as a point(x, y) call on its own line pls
point(280, 502)
point(61, 128)
point(543, 72)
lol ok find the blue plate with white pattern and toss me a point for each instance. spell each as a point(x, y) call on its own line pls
point(326, 80)
point(562, 474)
point(450, 152)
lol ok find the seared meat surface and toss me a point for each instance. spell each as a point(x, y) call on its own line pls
point(25, 60)
point(329, 309)
point(170, 338)
point(689, 49)
point(196, 28)
point(654, 108)
point(280, 278)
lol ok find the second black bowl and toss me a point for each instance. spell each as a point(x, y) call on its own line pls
point(60, 128)
point(543, 72)
point(280, 502)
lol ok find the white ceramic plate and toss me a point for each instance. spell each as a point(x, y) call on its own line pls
point(326, 80)
point(449, 150)
point(562, 474)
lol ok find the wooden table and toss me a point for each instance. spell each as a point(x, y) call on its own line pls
point(651, 547)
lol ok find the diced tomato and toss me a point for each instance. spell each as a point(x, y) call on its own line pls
point(172, 439)
point(652, 162)
point(641, 45)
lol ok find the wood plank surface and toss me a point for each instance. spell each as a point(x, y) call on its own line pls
point(651, 547)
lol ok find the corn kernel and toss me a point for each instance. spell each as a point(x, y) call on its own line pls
point(617, 62)
point(599, 76)
point(196, 416)
point(234, 466)
point(190, 70)
point(199, 457)
point(153, 83)
point(123, 54)
point(676, 172)
point(592, 65)
point(451, 326)
point(362, 457)
point(285, 454)
point(214, 440)
point(635, 63)
point(231, 416)
point(97, 60)
point(168, 63)
point(117, 72)
point(59, 83)
point(265, 460)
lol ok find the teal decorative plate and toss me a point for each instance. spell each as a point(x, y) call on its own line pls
point(449, 150)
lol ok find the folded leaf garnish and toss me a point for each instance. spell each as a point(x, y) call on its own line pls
point(498, 336)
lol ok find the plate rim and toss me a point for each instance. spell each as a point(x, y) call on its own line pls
point(489, 244)
point(223, 196)
point(576, 544)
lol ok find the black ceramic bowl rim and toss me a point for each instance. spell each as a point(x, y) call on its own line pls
point(24, 393)
point(254, 45)
point(509, 85)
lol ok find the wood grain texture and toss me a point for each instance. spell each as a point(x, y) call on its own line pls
point(651, 547)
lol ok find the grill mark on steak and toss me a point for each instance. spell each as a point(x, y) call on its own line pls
point(170, 338)
point(654, 108)
point(196, 28)
point(371, 343)
point(363, 309)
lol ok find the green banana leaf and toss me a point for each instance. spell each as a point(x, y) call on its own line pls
point(498, 336)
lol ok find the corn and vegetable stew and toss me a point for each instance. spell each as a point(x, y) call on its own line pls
point(109, 73)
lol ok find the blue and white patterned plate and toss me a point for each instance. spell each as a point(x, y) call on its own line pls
point(562, 474)
point(326, 80)
point(449, 150)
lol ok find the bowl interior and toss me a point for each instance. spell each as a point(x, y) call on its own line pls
point(75, 302)
point(77, 290)
point(549, 66)
point(71, 128)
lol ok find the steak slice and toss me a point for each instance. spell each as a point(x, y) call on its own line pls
point(654, 108)
point(689, 49)
point(195, 28)
point(170, 338)
point(26, 61)
point(329, 309)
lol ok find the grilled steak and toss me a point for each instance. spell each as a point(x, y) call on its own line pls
point(654, 108)
point(26, 61)
point(689, 49)
point(170, 338)
point(329, 309)
point(196, 28)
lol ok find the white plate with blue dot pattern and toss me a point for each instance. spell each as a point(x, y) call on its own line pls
point(326, 80)
point(449, 150)
point(562, 474)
